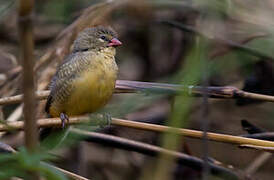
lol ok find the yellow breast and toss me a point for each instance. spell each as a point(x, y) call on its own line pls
point(92, 88)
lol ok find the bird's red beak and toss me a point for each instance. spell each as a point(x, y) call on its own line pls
point(114, 42)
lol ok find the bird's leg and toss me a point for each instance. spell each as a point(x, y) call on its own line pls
point(64, 118)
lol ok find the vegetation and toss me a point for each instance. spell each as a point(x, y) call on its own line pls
point(195, 86)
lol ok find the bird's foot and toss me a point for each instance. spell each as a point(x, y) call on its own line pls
point(100, 120)
point(65, 119)
point(107, 118)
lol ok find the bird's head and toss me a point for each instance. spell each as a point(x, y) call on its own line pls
point(96, 38)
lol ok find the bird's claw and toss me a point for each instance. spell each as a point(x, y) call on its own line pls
point(65, 119)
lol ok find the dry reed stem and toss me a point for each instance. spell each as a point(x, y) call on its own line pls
point(230, 139)
point(4, 148)
point(152, 150)
point(123, 86)
point(25, 27)
point(68, 173)
point(257, 147)
point(144, 148)
point(258, 162)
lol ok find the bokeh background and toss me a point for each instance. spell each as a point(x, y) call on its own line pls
point(215, 43)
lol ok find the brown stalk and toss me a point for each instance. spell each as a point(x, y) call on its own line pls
point(68, 173)
point(140, 147)
point(230, 139)
point(236, 140)
point(26, 50)
point(123, 86)
point(258, 162)
point(151, 150)
point(260, 148)
point(264, 136)
point(27, 45)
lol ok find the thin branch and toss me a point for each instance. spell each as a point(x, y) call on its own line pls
point(230, 139)
point(123, 86)
point(231, 44)
point(258, 162)
point(40, 95)
point(152, 150)
point(261, 148)
point(269, 136)
point(4, 148)
point(193, 133)
point(67, 173)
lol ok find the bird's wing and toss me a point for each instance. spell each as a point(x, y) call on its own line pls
point(62, 82)
point(50, 97)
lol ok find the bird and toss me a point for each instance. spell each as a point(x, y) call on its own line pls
point(85, 81)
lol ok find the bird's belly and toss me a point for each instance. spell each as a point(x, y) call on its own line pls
point(92, 90)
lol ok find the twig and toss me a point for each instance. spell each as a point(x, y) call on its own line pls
point(123, 86)
point(227, 42)
point(67, 173)
point(257, 133)
point(40, 95)
point(14, 116)
point(152, 150)
point(193, 133)
point(258, 162)
point(269, 136)
point(261, 148)
point(230, 139)
point(4, 148)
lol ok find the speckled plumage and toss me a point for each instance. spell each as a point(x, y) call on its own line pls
point(86, 79)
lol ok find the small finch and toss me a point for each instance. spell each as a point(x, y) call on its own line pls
point(86, 80)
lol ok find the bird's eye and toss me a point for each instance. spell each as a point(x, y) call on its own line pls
point(103, 37)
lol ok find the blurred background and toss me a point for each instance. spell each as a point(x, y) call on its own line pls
point(190, 42)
